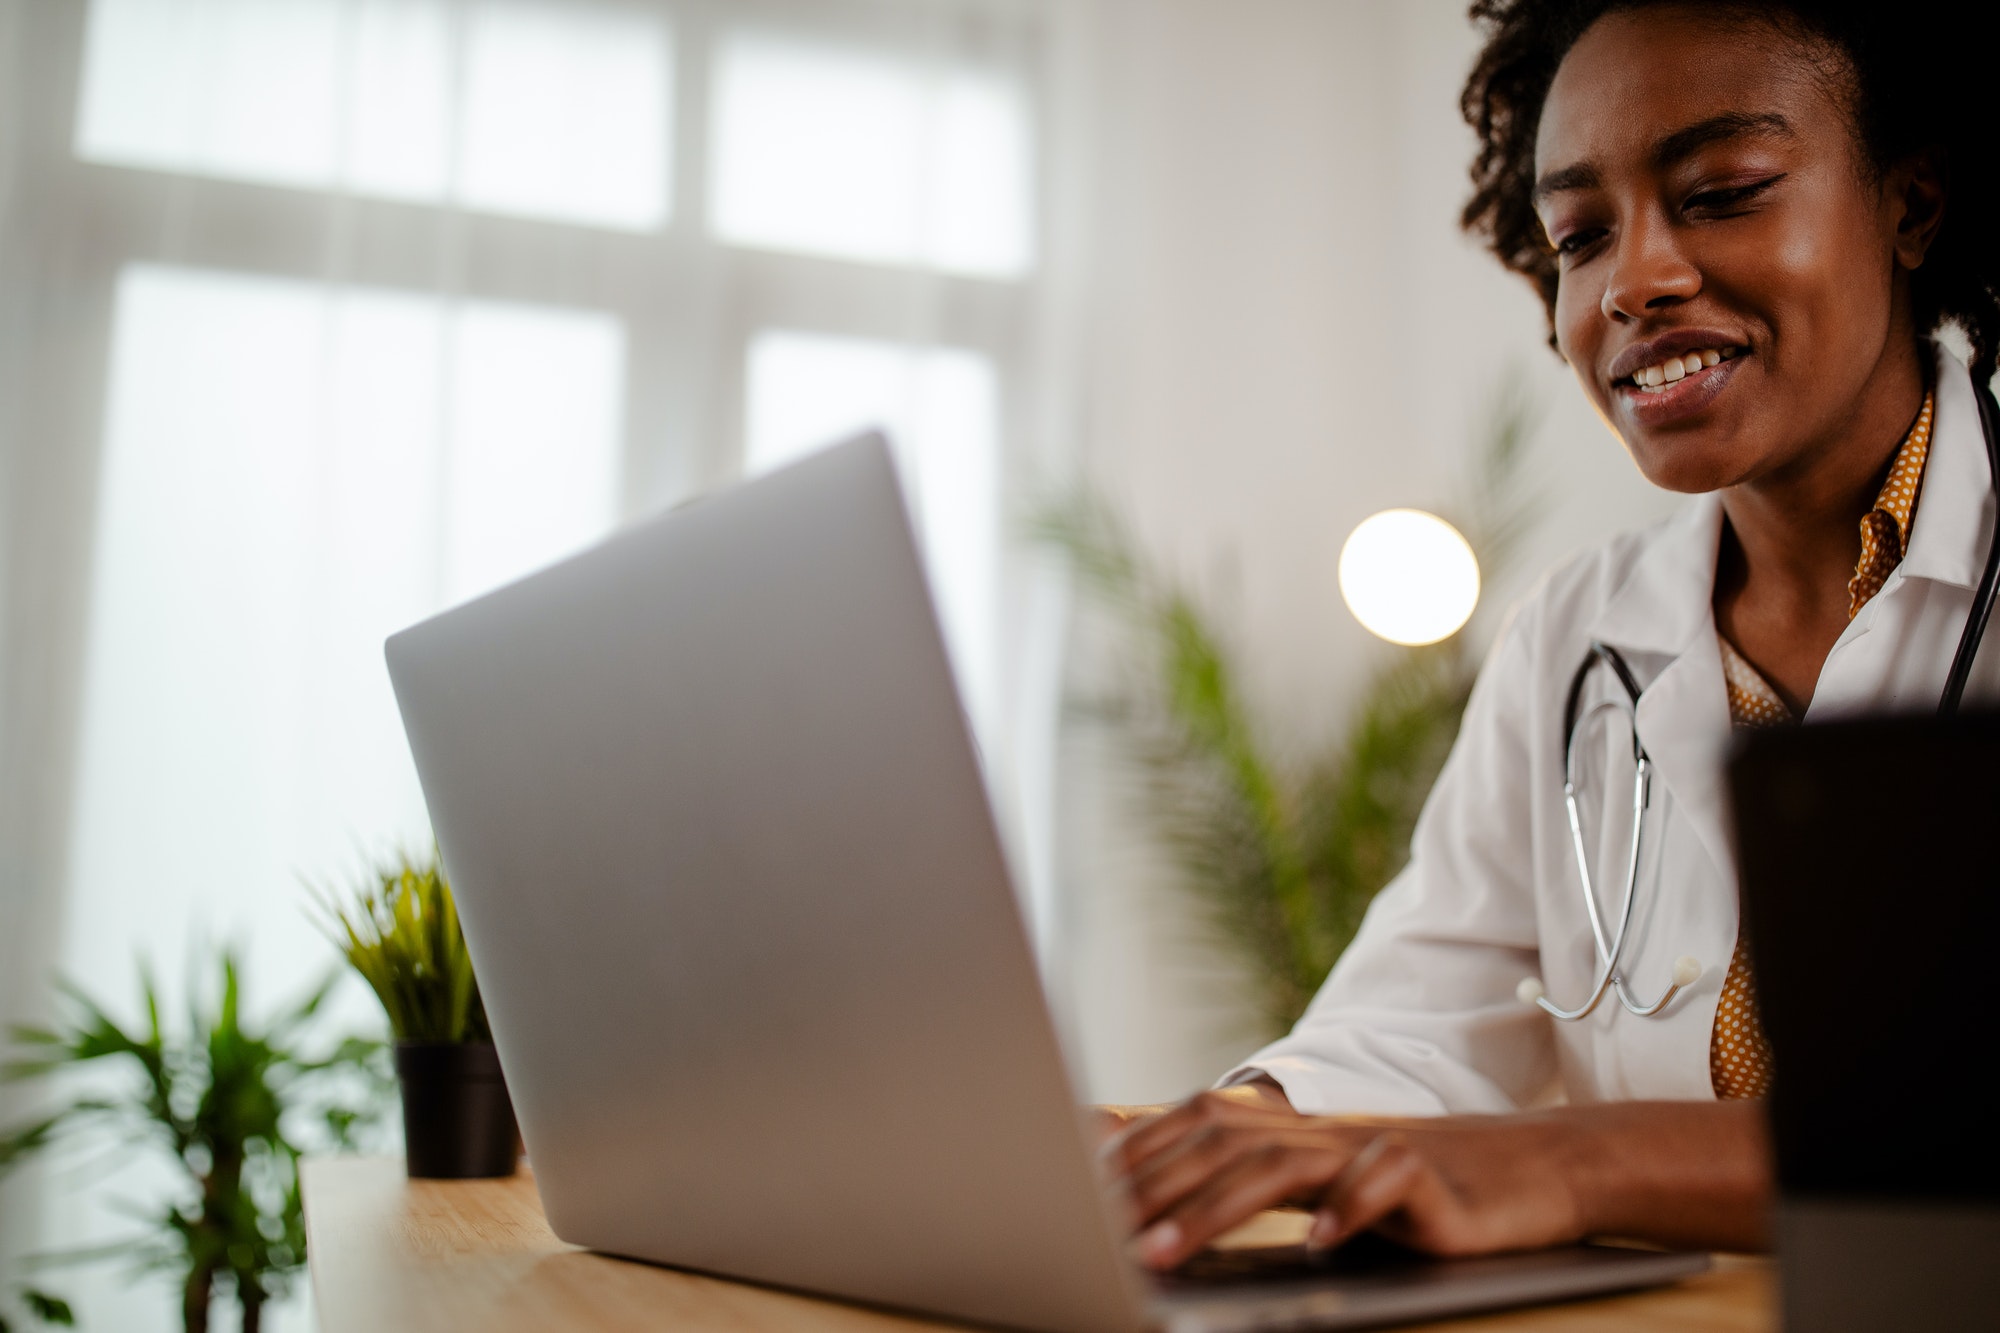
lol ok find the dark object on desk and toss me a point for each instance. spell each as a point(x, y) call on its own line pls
point(1871, 932)
point(458, 1123)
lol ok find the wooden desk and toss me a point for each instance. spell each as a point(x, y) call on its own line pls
point(391, 1255)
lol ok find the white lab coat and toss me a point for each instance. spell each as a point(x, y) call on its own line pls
point(1420, 1016)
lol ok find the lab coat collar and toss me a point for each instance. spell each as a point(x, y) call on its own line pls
point(1664, 602)
point(1950, 524)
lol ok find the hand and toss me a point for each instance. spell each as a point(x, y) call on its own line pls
point(1685, 1174)
point(1466, 1185)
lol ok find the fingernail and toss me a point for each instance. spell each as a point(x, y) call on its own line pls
point(1325, 1231)
point(1161, 1241)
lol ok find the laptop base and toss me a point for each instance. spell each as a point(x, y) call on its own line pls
point(1369, 1282)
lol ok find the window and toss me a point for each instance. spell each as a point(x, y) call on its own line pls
point(290, 474)
point(533, 107)
point(862, 156)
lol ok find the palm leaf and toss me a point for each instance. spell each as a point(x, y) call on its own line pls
point(1283, 858)
point(217, 1096)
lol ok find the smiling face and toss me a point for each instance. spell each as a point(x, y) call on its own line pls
point(1733, 287)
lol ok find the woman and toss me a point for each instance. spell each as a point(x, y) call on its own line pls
point(1746, 220)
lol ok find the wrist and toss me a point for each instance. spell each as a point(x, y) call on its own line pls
point(1587, 1161)
point(1692, 1175)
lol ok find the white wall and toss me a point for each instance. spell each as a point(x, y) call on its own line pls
point(1290, 334)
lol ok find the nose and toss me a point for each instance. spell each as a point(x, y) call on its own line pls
point(1649, 273)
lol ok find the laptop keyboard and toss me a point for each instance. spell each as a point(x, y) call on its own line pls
point(1266, 1263)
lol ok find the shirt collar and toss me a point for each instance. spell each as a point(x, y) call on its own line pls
point(1898, 498)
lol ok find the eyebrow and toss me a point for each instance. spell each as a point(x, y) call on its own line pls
point(1675, 147)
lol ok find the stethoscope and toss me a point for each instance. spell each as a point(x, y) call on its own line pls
point(1611, 942)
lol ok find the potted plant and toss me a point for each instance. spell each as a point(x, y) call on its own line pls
point(224, 1100)
point(401, 933)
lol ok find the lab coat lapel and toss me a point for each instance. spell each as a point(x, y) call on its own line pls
point(1896, 654)
point(1684, 725)
point(1954, 513)
point(1663, 613)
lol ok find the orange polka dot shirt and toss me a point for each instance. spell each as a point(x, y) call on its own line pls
point(1739, 1058)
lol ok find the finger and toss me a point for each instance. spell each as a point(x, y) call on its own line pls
point(1245, 1187)
point(1405, 1197)
point(1148, 1137)
point(1377, 1182)
point(1170, 1175)
point(1215, 1107)
point(1437, 1219)
point(1160, 1182)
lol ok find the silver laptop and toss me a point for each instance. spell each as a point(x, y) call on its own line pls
point(752, 955)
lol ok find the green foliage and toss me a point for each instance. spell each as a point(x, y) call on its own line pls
point(221, 1100)
point(1284, 856)
point(43, 1308)
point(401, 933)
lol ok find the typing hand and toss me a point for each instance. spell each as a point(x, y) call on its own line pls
point(1465, 1185)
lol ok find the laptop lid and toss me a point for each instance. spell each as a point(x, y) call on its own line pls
point(744, 928)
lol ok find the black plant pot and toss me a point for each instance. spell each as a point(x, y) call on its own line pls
point(457, 1121)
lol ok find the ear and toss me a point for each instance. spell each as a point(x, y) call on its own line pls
point(1914, 193)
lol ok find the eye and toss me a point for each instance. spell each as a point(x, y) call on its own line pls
point(1730, 198)
point(1578, 241)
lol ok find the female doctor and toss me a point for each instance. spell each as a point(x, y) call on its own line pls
point(1746, 221)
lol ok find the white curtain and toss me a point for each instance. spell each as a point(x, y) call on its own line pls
point(319, 315)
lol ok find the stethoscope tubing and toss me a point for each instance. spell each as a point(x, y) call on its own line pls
point(1610, 946)
point(1989, 577)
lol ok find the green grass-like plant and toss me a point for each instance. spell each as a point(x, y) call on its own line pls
point(400, 931)
point(1283, 853)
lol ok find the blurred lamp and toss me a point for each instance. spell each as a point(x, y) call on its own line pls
point(1408, 576)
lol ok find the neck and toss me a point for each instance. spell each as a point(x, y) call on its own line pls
point(1794, 534)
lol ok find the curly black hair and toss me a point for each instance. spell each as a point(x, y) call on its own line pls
point(1910, 85)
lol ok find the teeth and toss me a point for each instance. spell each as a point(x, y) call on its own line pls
point(1675, 368)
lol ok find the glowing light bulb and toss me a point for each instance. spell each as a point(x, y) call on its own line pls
point(1408, 576)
